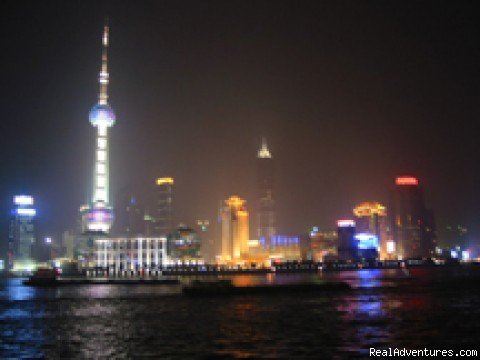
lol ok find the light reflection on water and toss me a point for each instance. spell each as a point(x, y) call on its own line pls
point(124, 321)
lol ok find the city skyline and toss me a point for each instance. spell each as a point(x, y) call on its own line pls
point(193, 143)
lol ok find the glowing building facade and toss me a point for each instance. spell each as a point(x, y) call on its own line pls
point(413, 227)
point(266, 203)
point(131, 253)
point(235, 230)
point(21, 236)
point(371, 218)
point(99, 216)
point(323, 244)
point(163, 221)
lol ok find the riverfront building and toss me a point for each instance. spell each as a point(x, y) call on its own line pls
point(21, 237)
point(413, 227)
point(235, 230)
point(131, 253)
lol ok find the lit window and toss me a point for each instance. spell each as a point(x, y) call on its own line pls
point(101, 155)
point(101, 181)
point(102, 143)
point(102, 130)
point(101, 195)
point(101, 169)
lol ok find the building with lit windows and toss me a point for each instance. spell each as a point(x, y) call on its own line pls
point(265, 195)
point(163, 221)
point(285, 248)
point(235, 230)
point(371, 218)
point(21, 237)
point(323, 244)
point(130, 253)
point(183, 246)
point(413, 227)
point(99, 214)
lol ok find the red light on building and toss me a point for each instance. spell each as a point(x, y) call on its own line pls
point(406, 180)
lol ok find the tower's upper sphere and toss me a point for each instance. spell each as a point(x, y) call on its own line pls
point(102, 115)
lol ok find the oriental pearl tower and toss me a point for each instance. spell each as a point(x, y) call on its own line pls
point(102, 117)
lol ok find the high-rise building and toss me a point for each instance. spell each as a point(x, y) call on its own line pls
point(347, 244)
point(371, 218)
point(102, 117)
point(413, 227)
point(163, 223)
point(235, 230)
point(129, 213)
point(21, 236)
point(265, 195)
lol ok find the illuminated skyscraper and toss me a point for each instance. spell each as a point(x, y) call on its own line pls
point(21, 236)
point(413, 228)
point(266, 203)
point(235, 229)
point(102, 116)
point(163, 223)
point(371, 218)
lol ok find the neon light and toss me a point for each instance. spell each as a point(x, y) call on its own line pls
point(406, 180)
point(367, 241)
point(23, 200)
point(26, 212)
point(345, 223)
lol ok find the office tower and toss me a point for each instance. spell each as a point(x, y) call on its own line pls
point(265, 196)
point(347, 244)
point(163, 225)
point(371, 218)
point(129, 213)
point(102, 117)
point(235, 229)
point(21, 235)
point(413, 227)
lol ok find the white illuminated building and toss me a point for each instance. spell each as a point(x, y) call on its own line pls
point(102, 116)
point(131, 253)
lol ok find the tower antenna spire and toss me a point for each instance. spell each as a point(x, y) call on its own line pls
point(264, 152)
point(104, 76)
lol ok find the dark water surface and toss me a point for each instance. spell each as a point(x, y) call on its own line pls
point(433, 308)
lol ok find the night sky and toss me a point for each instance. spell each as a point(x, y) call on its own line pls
point(348, 94)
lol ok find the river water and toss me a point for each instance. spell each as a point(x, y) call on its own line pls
point(432, 308)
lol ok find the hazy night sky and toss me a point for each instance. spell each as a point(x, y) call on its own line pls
point(349, 95)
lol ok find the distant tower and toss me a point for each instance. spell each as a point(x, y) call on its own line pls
point(413, 226)
point(22, 230)
point(163, 225)
point(102, 116)
point(265, 200)
point(235, 229)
